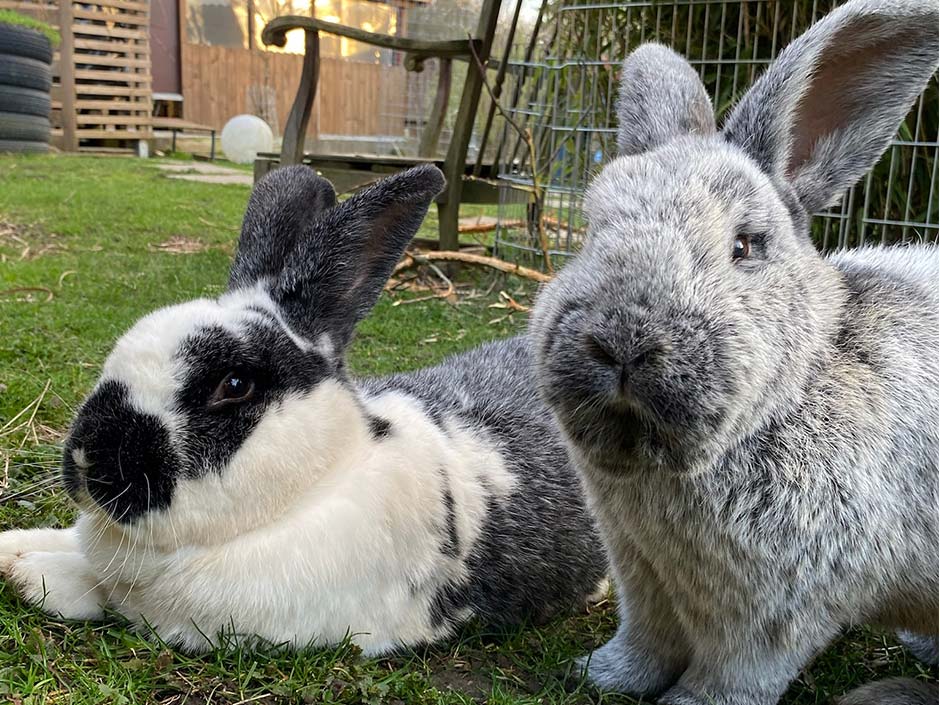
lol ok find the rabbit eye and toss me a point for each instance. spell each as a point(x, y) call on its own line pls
point(742, 247)
point(234, 389)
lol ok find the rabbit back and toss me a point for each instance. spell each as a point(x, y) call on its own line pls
point(537, 551)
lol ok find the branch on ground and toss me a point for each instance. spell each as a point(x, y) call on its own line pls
point(414, 259)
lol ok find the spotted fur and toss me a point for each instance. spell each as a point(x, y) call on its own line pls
point(758, 436)
point(318, 506)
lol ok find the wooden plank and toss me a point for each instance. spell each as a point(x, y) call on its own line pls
point(95, 149)
point(115, 76)
point(128, 5)
point(112, 32)
point(115, 17)
point(85, 90)
point(118, 61)
point(67, 78)
point(85, 119)
point(43, 12)
point(168, 123)
point(114, 134)
point(133, 106)
point(113, 47)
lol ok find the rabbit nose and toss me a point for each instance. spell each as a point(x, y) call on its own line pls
point(629, 357)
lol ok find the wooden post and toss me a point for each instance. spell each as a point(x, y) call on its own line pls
point(432, 131)
point(455, 164)
point(497, 88)
point(295, 132)
point(67, 76)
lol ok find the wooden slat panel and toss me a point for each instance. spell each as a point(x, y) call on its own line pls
point(219, 83)
point(117, 18)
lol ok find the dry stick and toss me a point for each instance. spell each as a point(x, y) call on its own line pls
point(413, 259)
point(24, 289)
point(479, 227)
point(32, 416)
point(447, 292)
point(526, 135)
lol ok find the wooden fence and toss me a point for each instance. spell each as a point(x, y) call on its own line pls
point(101, 95)
point(220, 82)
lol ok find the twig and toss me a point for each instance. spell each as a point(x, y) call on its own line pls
point(443, 295)
point(413, 259)
point(486, 227)
point(22, 289)
point(32, 416)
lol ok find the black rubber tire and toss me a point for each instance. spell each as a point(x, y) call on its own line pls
point(17, 146)
point(25, 72)
point(23, 41)
point(25, 101)
point(24, 128)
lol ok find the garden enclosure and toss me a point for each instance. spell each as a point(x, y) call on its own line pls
point(567, 102)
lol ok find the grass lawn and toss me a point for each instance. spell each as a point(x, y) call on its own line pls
point(87, 245)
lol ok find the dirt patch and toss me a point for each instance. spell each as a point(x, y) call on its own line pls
point(205, 173)
point(26, 242)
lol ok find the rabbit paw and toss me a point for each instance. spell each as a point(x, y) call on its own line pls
point(46, 568)
point(616, 668)
point(59, 583)
point(16, 542)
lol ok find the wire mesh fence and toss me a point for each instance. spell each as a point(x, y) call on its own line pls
point(568, 103)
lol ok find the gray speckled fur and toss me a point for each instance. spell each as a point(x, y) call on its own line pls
point(538, 553)
point(758, 437)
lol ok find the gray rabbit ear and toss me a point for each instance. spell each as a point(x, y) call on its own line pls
point(825, 111)
point(336, 271)
point(281, 207)
point(661, 97)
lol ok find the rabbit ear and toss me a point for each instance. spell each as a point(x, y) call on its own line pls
point(337, 268)
point(661, 97)
point(281, 207)
point(826, 110)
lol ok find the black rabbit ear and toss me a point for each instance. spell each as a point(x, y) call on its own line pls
point(827, 108)
point(336, 270)
point(282, 206)
point(661, 98)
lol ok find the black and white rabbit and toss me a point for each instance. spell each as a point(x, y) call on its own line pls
point(233, 477)
point(757, 425)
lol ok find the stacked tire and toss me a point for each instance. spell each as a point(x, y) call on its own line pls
point(25, 81)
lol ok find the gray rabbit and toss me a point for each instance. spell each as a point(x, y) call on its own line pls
point(756, 424)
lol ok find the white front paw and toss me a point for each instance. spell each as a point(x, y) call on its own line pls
point(59, 583)
point(16, 542)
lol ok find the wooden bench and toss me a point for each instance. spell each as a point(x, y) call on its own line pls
point(465, 182)
point(176, 125)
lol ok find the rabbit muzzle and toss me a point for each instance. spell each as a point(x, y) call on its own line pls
point(120, 458)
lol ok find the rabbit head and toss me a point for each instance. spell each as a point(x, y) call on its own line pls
point(699, 304)
point(211, 416)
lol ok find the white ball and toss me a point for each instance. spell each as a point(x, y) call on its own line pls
point(244, 136)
